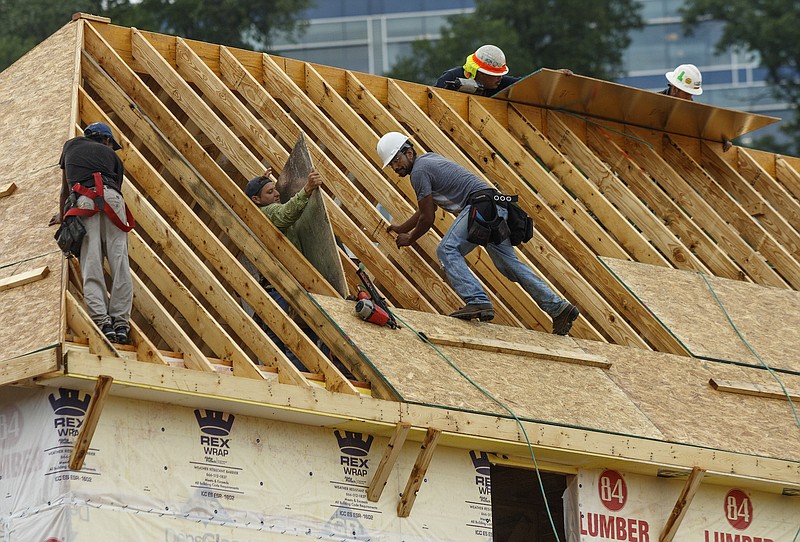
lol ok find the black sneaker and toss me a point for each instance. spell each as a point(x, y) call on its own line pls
point(122, 335)
point(108, 331)
point(482, 311)
point(563, 322)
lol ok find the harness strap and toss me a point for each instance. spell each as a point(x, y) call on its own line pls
point(97, 195)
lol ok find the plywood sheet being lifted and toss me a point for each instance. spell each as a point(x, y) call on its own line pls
point(628, 105)
point(768, 318)
point(313, 229)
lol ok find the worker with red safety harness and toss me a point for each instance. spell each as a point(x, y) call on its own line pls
point(91, 168)
point(486, 66)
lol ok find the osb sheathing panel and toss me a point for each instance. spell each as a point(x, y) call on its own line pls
point(533, 388)
point(768, 318)
point(30, 314)
point(35, 97)
point(648, 394)
point(675, 394)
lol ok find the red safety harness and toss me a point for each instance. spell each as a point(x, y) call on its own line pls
point(100, 204)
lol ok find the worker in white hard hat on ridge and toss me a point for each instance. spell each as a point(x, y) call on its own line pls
point(483, 217)
point(685, 82)
point(487, 66)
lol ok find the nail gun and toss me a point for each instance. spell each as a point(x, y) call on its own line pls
point(371, 306)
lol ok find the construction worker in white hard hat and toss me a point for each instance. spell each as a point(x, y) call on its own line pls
point(685, 82)
point(487, 66)
point(483, 217)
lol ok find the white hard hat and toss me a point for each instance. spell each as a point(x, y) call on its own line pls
point(490, 59)
point(686, 77)
point(389, 145)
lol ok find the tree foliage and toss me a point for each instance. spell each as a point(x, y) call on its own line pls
point(238, 23)
point(770, 27)
point(587, 37)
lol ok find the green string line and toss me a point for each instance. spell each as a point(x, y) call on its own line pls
point(38, 256)
point(504, 407)
point(353, 344)
point(752, 351)
point(603, 126)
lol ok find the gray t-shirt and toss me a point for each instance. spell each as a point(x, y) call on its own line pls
point(449, 183)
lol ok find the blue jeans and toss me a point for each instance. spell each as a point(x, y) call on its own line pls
point(454, 246)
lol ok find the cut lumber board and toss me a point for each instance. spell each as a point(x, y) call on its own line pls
point(758, 390)
point(519, 349)
point(7, 189)
point(23, 278)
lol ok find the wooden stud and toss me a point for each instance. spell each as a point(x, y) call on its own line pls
point(90, 420)
point(682, 505)
point(612, 187)
point(608, 215)
point(768, 187)
point(739, 235)
point(519, 349)
point(145, 349)
point(80, 322)
point(153, 312)
point(418, 472)
point(758, 390)
point(645, 188)
point(21, 279)
point(788, 176)
point(195, 315)
point(390, 456)
point(730, 181)
point(7, 189)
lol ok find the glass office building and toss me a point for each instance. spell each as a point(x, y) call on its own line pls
point(369, 36)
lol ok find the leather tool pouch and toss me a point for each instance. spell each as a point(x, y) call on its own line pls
point(69, 235)
point(484, 225)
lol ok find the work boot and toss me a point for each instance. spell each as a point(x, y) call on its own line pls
point(482, 311)
point(563, 322)
point(108, 331)
point(122, 334)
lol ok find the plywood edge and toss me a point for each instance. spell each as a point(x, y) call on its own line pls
point(30, 365)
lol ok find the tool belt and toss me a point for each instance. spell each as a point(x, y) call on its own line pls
point(485, 226)
point(71, 231)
